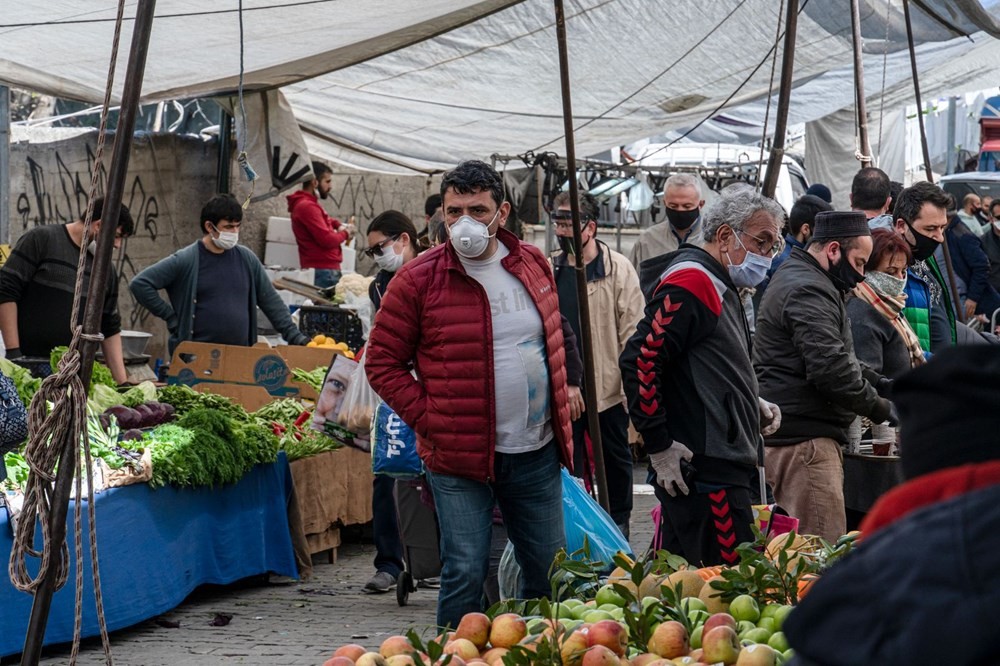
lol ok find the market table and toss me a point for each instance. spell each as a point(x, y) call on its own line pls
point(867, 477)
point(157, 546)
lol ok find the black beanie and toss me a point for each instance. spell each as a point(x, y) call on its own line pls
point(834, 224)
point(949, 410)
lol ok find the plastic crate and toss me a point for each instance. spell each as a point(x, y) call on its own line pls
point(37, 366)
point(331, 321)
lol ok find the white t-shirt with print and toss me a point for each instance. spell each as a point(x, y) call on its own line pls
point(520, 367)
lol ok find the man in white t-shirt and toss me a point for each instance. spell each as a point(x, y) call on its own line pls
point(478, 320)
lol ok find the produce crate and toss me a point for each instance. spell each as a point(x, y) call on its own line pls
point(339, 324)
point(37, 366)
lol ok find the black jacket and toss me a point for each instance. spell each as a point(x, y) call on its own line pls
point(972, 266)
point(804, 356)
point(920, 591)
point(686, 370)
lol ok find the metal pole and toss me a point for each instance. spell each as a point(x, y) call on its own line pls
point(952, 285)
point(92, 313)
point(225, 152)
point(4, 164)
point(952, 113)
point(589, 385)
point(542, 216)
point(784, 96)
point(859, 87)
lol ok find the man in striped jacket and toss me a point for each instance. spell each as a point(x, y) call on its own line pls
point(691, 388)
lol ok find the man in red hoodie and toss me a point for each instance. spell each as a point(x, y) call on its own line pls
point(318, 235)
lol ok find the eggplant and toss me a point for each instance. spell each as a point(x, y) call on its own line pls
point(147, 416)
point(126, 416)
point(132, 434)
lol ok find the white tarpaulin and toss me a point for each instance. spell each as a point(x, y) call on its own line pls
point(450, 87)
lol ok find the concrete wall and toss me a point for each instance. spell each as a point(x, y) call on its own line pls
point(170, 178)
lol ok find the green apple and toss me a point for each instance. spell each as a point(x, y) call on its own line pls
point(697, 617)
point(607, 595)
point(535, 625)
point(769, 610)
point(597, 615)
point(788, 654)
point(689, 604)
point(696, 637)
point(778, 641)
point(564, 612)
point(744, 607)
point(580, 612)
point(648, 601)
point(767, 623)
point(757, 635)
point(743, 626)
point(572, 602)
point(781, 614)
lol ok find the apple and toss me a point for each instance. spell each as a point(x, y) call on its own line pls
point(778, 641)
point(494, 654)
point(696, 636)
point(669, 640)
point(474, 627)
point(788, 654)
point(757, 655)
point(757, 635)
point(462, 647)
point(648, 601)
point(572, 602)
point(599, 655)
point(698, 654)
point(781, 614)
point(352, 651)
point(507, 630)
point(610, 634)
point(395, 645)
point(744, 607)
point(720, 620)
point(769, 610)
point(570, 625)
point(743, 627)
point(693, 603)
point(371, 659)
point(767, 623)
point(573, 648)
point(455, 661)
point(720, 644)
point(608, 595)
point(400, 660)
point(595, 616)
point(644, 659)
point(697, 617)
point(339, 661)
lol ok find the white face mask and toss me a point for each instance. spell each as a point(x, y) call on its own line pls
point(469, 237)
point(389, 260)
point(227, 240)
point(752, 271)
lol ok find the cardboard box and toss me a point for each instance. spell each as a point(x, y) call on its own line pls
point(251, 376)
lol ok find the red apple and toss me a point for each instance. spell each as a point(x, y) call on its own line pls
point(757, 655)
point(474, 627)
point(610, 634)
point(719, 620)
point(720, 645)
point(573, 648)
point(669, 640)
point(463, 648)
point(598, 655)
point(352, 651)
point(339, 661)
point(395, 645)
point(494, 654)
point(371, 659)
point(644, 659)
point(400, 660)
point(507, 630)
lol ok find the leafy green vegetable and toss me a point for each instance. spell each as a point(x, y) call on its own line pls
point(17, 469)
point(27, 386)
point(284, 411)
point(99, 375)
point(312, 442)
point(102, 397)
point(314, 378)
point(137, 395)
point(185, 399)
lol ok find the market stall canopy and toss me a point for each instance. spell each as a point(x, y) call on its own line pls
point(392, 85)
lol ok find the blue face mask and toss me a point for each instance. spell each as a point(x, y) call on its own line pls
point(752, 271)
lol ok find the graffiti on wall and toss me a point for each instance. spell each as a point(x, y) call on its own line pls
point(365, 196)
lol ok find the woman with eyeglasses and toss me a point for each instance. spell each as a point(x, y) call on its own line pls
point(392, 242)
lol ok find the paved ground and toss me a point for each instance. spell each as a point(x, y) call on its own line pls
point(287, 623)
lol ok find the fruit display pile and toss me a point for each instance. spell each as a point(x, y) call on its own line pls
point(326, 342)
point(654, 612)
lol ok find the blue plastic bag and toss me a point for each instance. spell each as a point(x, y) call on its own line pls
point(394, 445)
point(584, 517)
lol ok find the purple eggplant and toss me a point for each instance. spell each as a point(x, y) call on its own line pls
point(131, 435)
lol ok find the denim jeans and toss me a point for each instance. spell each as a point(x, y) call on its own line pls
point(326, 277)
point(528, 489)
point(385, 527)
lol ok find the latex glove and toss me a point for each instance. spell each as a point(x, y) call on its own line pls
point(770, 417)
point(576, 404)
point(667, 465)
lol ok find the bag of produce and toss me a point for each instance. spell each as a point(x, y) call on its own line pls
point(583, 518)
point(358, 403)
point(394, 445)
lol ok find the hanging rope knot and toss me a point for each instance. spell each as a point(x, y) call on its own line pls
point(92, 337)
point(861, 157)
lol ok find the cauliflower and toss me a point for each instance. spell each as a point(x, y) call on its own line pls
point(353, 283)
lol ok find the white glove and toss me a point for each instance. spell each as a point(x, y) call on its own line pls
point(667, 465)
point(770, 417)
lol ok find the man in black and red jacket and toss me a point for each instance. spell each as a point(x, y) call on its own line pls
point(691, 388)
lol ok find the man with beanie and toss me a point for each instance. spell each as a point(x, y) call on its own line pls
point(800, 226)
point(691, 389)
point(821, 191)
point(805, 362)
point(938, 531)
point(683, 202)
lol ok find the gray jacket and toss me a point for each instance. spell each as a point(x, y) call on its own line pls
point(178, 276)
point(804, 356)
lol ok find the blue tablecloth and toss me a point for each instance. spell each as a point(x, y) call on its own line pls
point(156, 546)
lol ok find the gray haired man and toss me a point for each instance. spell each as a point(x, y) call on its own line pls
point(683, 202)
point(691, 388)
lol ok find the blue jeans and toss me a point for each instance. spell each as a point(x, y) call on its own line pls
point(385, 527)
point(326, 277)
point(528, 489)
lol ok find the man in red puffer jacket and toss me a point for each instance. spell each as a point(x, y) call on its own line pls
point(478, 320)
point(320, 237)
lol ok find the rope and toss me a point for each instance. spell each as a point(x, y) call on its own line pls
point(885, 62)
point(770, 92)
point(66, 421)
point(242, 158)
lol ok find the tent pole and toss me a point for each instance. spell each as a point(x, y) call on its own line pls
point(859, 88)
point(92, 317)
point(589, 384)
point(952, 284)
point(225, 152)
point(784, 98)
point(4, 164)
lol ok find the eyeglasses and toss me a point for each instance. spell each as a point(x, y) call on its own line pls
point(376, 249)
point(563, 219)
point(764, 248)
